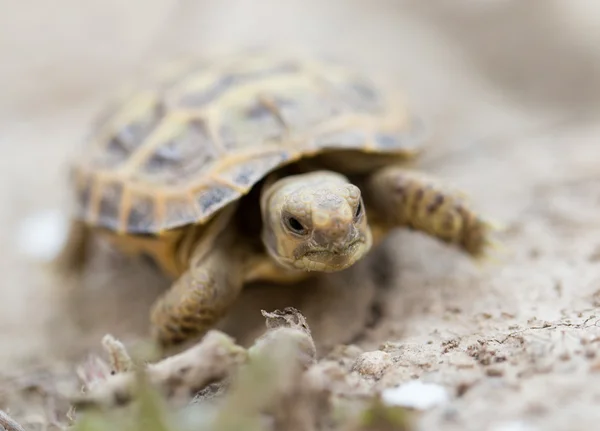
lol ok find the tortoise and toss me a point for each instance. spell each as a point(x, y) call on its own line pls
point(255, 166)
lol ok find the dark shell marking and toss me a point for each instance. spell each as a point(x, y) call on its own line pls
point(122, 140)
point(188, 154)
point(142, 214)
point(177, 155)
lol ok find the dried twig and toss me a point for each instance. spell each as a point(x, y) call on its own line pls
point(288, 324)
point(120, 361)
point(212, 359)
point(8, 423)
point(269, 385)
point(277, 380)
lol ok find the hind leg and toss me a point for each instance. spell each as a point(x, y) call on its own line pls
point(74, 255)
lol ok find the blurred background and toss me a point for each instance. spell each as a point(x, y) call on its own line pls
point(510, 87)
point(540, 55)
point(487, 75)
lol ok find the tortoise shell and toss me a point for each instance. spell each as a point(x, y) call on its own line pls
point(199, 137)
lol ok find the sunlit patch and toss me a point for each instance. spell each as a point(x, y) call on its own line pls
point(321, 219)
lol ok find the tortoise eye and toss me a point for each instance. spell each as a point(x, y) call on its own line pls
point(295, 226)
point(359, 210)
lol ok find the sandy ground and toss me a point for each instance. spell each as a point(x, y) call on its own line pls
point(512, 94)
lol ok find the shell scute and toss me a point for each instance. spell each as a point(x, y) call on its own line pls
point(176, 153)
point(203, 90)
point(362, 96)
point(187, 153)
point(351, 139)
point(252, 170)
point(301, 105)
point(123, 133)
point(110, 197)
point(246, 124)
point(179, 211)
point(82, 193)
point(214, 197)
point(141, 218)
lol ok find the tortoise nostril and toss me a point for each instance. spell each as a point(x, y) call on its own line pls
point(335, 238)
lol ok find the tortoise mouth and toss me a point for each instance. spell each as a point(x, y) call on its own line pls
point(332, 261)
point(335, 254)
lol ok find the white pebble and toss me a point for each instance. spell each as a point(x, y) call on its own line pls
point(42, 235)
point(416, 394)
point(512, 426)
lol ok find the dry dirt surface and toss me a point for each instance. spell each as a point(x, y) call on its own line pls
point(510, 89)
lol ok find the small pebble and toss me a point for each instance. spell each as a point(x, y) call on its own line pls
point(494, 372)
point(564, 356)
point(512, 426)
point(372, 364)
point(42, 235)
point(416, 394)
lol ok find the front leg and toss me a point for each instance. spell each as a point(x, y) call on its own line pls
point(404, 198)
point(200, 297)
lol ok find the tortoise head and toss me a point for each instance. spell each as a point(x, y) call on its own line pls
point(315, 222)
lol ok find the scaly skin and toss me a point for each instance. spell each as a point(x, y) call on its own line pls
point(404, 198)
point(315, 222)
point(335, 236)
point(330, 233)
point(204, 292)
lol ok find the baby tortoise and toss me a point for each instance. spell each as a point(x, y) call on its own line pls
point(258, 166)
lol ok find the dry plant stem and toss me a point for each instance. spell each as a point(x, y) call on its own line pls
point(94, 371)
point(287, 324)
point(120, 361)
point(212, 359)
point(269, 384)
point(9, 423)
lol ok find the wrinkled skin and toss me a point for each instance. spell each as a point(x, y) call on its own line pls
point(315, 222)
point(312, 222)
